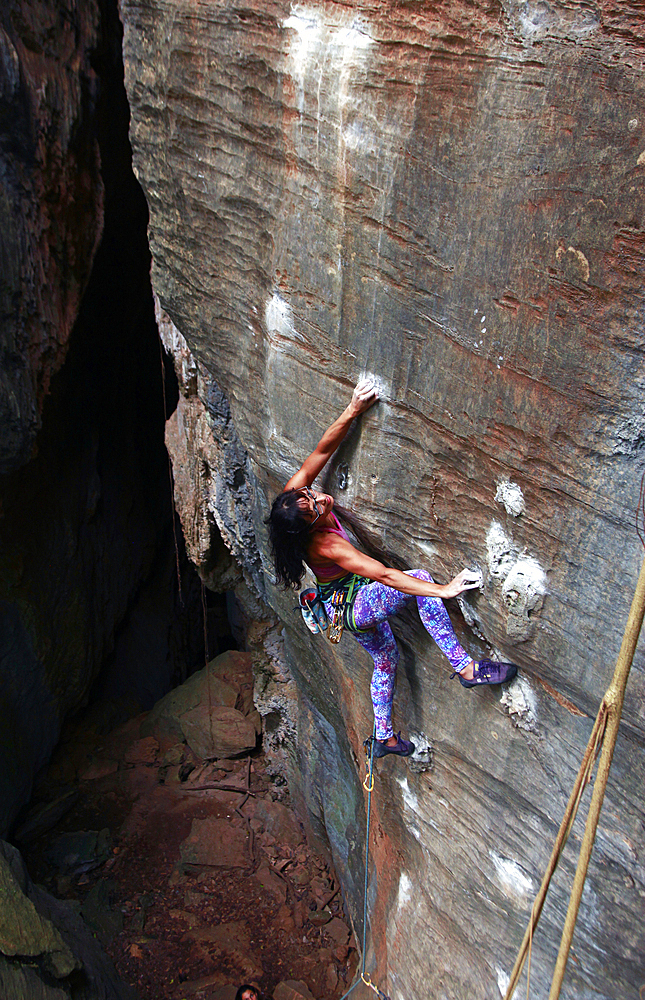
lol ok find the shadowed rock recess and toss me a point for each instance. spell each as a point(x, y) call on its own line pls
point(448, 196)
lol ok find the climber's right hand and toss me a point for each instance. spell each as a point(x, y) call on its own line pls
point(468, 579)
point(365, 395)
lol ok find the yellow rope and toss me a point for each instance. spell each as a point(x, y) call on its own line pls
point(603, 736)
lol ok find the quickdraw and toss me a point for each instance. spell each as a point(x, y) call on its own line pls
point(336, 624)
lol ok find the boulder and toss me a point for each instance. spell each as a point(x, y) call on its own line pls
point(224, 732)
point(292, 989)
point(212, 711)
point(270, 883)
point(277, 820)
point(79, 851)
point(53, 942)
point(235, 668)
point(25, 933)
point(338, 931)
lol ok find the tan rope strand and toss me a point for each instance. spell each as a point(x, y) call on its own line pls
point(614, 701)
point(580, 783)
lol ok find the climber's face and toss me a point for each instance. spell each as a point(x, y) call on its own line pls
point(317, 503)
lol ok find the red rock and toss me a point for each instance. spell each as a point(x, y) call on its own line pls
point(331, 979)
point(215, 842)
point(278, 821)
point(224, 993)
point(291, 989)
point(319, 917)
point(270, 883)
point(144, 751)
point(284, 919)
point(236, 668)
point(190, 987)
point(337, 930)
point(225, 733)
point(299, 913)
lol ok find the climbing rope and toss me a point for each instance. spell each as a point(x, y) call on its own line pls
point(368, 785)
point(170, 475)
point(602, 741)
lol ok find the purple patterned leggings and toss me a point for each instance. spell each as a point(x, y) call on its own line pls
point(374, 602)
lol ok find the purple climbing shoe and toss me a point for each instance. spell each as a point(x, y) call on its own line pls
point(489, 672)
point(402, 747)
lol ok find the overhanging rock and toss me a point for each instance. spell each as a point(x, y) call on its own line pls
point(451, 198)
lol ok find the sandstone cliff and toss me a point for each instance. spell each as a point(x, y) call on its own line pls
point(449, 196)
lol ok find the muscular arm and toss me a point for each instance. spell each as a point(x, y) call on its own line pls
point(337, 549)
point(364, 396)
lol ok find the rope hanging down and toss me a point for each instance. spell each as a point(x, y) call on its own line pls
point(603, 736)
point(368, 785)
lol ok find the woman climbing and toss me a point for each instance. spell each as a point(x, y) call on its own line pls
point(303, 528)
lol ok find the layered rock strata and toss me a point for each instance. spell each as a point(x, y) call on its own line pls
point(451, 198)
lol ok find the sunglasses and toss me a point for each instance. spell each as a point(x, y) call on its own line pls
point(309, 494)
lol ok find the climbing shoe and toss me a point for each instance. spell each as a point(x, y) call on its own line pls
point(489, 672)
point(402, 747)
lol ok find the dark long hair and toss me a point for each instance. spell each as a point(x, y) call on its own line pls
point(289, 538)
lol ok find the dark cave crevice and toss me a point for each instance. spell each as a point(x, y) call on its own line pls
point(87, 548)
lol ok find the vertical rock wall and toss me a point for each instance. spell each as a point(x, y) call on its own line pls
point(449, 196)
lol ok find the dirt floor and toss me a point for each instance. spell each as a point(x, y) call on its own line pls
point(189, 886)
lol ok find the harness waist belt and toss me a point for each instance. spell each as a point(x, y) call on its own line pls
point(349, 586)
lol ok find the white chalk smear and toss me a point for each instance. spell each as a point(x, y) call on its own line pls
point(526, 579)
point(512, 880)
point(499, 550)
point(314, 42)
point(405, 890)
point(503, 979)
point(511, 496)
point(279, 317)
point(521, 704)
point(308, 29)
point(383, 389)
point(409, 797)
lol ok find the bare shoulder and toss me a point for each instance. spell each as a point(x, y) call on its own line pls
point(321, 543)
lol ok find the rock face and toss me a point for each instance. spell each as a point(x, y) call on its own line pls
point(449, 196)
point(60, 956)
point(51, 200)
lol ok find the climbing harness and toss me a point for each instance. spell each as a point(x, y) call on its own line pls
point(368, 785)
point(342, 593)
point(602, 741)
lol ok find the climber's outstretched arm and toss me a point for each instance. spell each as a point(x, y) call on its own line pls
point(333, 547)
point(365, 394)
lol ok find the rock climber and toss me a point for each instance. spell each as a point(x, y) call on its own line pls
point(303, 528)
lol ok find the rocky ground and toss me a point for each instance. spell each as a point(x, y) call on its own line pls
point(194, 874)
